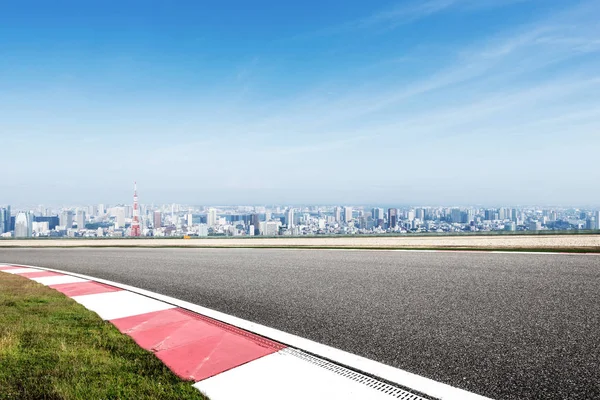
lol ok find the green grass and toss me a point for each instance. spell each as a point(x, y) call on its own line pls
point(53, 348)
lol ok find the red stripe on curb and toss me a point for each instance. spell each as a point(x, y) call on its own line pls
point(212, 355)
point(193, 346)
point(83, 288)
point(39, 274)
point(149, 321)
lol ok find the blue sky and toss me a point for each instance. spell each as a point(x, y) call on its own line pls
point(234, 102)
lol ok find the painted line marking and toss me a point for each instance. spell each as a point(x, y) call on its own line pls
point(283, 376)
point(113, 305)
point(56, 280)
point(21, 270)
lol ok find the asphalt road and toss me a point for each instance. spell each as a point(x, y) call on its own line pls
point(507, 326)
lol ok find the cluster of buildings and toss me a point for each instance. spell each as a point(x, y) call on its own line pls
point(176, 220)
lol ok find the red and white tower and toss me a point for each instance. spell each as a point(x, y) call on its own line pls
point(135, 224)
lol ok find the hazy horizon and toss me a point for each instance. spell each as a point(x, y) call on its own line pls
point(394, 102)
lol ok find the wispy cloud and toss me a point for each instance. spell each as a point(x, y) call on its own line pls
point(405, 13)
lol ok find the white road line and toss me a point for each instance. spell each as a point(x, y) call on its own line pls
point(121, 304)
point(20, 270)
point(57, 280)
point(283, 376)
point(407, 379)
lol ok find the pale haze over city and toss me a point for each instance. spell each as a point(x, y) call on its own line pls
point(440, 102)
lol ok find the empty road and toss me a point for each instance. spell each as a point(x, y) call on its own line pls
point(507, 326)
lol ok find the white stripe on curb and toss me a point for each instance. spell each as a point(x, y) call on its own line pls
point(400, 377)
point(270, 376)
point(121, 304)
point(21, 270)
point(57, 280)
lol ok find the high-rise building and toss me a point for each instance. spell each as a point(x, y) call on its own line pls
point(392, 218)
point(491, 215)
point(211, 217)
point(120, 217)
point(157, 220)
point(597, 214)
point(337, 214)
point(3, 222)
point(7, 219)
point(377, 213)
point(255, 221)
point(66, 219)
point(289, 218)
point(80, 219)
point(420, 214)
point(23, 225)
point(190, 219)
point(456, 215)
point(347, 214)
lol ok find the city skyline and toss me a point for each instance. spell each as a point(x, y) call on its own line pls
point(177, 220)
point(410, 102)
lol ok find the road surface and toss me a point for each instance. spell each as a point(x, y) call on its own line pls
point(507, 326)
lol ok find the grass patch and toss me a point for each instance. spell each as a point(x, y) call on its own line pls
point(53, 348)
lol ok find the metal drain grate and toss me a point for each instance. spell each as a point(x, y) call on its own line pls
point(355, 376)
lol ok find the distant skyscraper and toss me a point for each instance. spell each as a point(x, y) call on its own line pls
point(392, 218)
point(190, 219)
point(420, 214)
point(157, 219)
point(7, 219)
point(597, 214)
point(135, 221)
point(514, 215)
point(211, 217)
point(255, 221)
point(337, 214)
point(289, 218)
point(491, 215)
point(3, 222)
point(378, 216)
point(23, 225)
point(120, 218)
point(456, 215)
point(66, 219)
point(347, 214)
point(80, 219)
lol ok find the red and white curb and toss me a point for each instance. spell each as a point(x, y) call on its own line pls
point(231, 358)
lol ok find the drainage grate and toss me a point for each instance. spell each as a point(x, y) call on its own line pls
point(355, 376)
